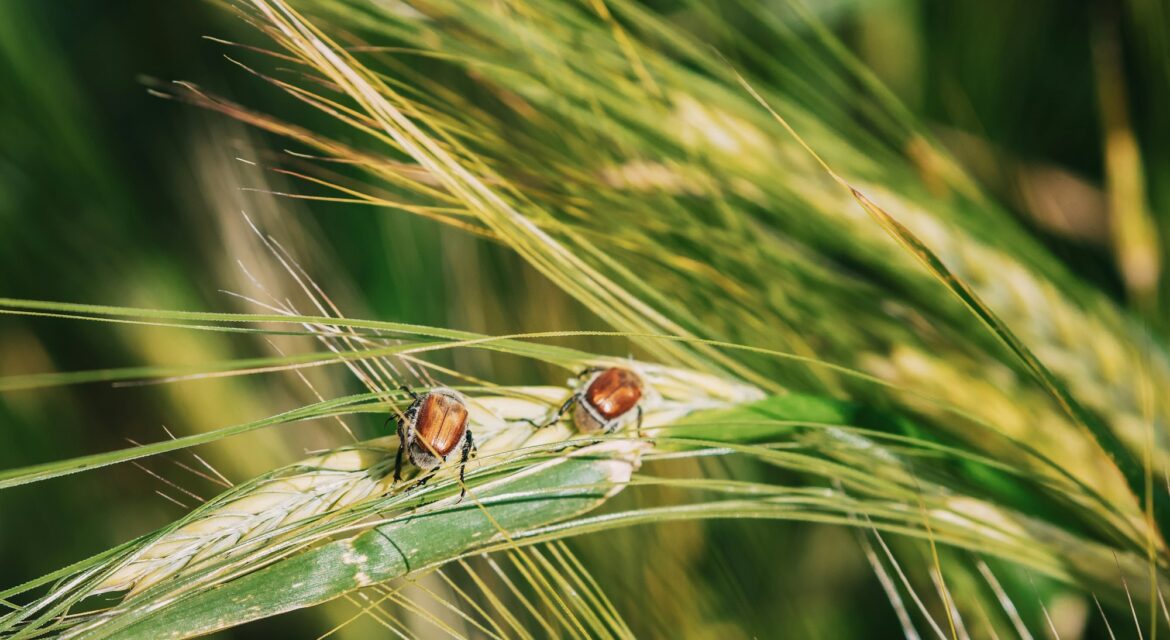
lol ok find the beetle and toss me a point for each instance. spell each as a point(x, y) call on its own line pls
point(430, 429)
point(604, 401)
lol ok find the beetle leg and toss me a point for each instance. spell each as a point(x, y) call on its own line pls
point(424, 480)
point(406, 417)
point(468, 445)
point(562, 411)
point(398, 457)
point(611, 427)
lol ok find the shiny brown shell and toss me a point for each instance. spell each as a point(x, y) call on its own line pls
point(613, 393)
point(440, 423)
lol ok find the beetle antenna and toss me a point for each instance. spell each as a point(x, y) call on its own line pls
point(589, 371)
point(409, 391)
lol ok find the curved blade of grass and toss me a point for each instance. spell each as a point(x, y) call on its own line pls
point(242, 366)
point(338, 406)
point(518, 347)
point(516, 344)
point(769, 419)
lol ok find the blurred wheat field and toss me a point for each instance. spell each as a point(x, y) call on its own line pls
point(891, 273)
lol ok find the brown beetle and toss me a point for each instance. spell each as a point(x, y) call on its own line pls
point(604, 401)
point(430, 429)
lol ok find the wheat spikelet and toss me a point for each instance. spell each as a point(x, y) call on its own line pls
point(278, 507)
point(303, 490)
